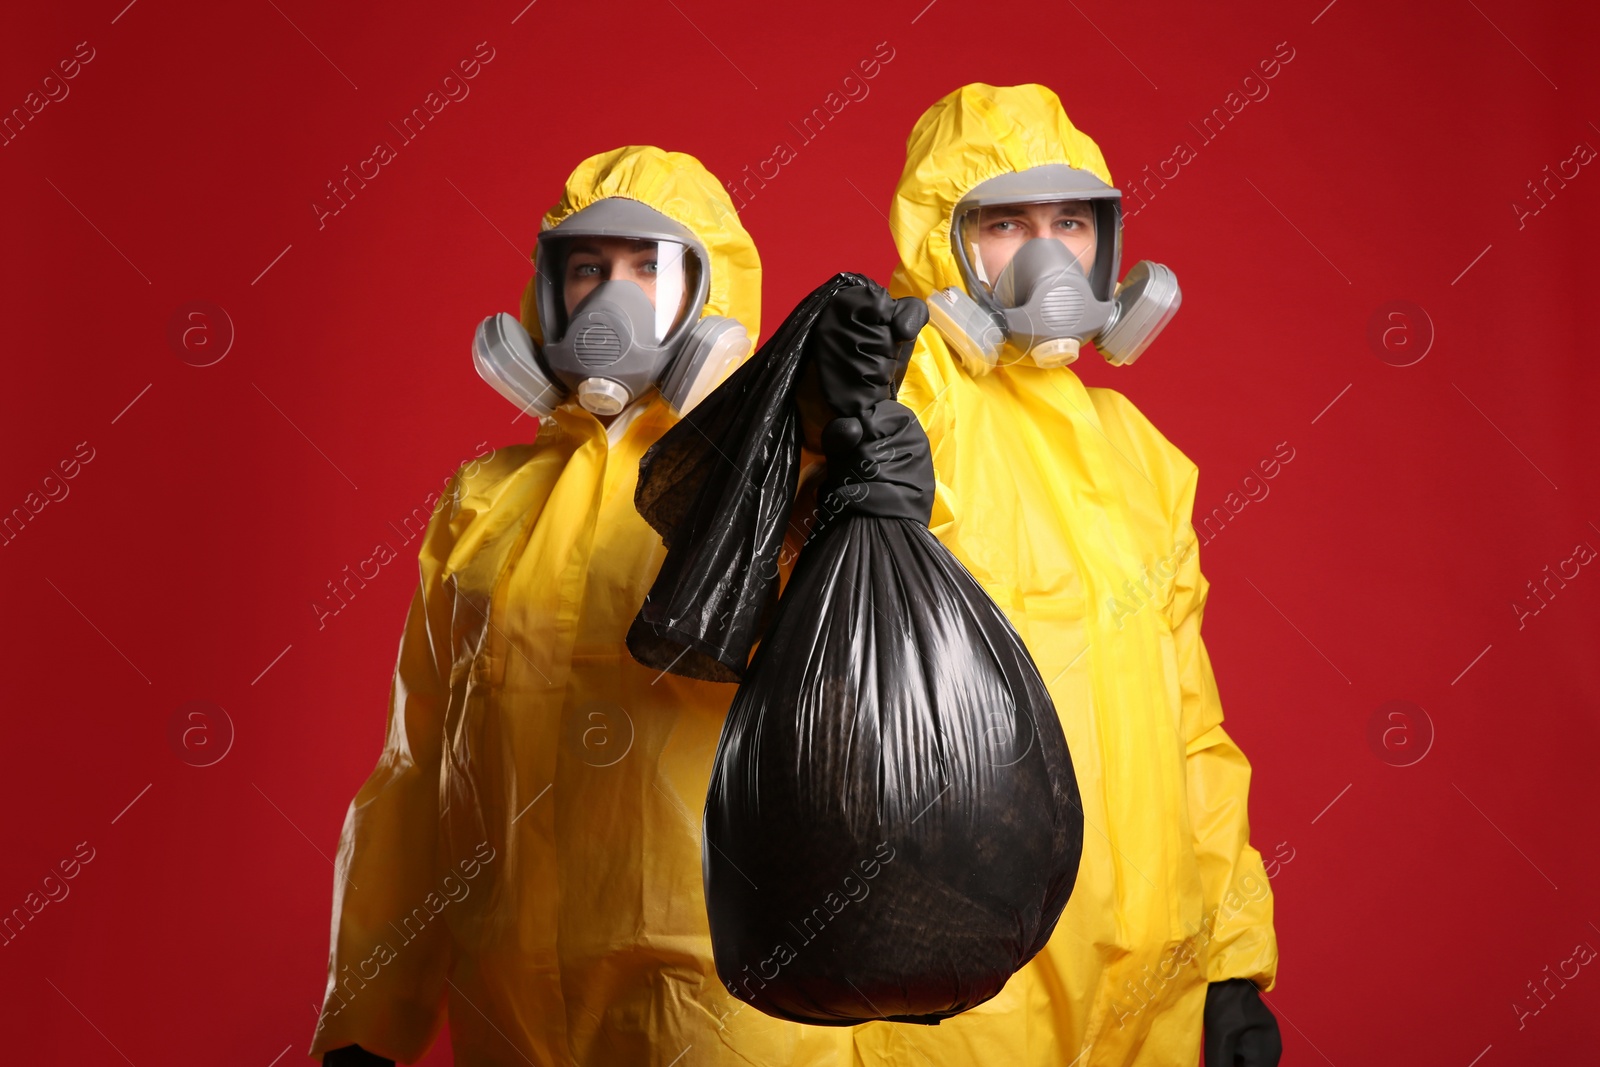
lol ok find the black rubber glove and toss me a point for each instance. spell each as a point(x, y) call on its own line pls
point(879, 459)
point(1240, 1030)
point(861, 344)
point(353, 1056)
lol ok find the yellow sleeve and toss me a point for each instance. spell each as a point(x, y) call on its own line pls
point(386, 969)
point(1238, 931)
point(926, 391)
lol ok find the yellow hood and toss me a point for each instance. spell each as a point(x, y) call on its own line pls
point(679, 186)
point(976, 133)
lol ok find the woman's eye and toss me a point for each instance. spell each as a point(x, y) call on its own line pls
point(651, 267)
point(585, 270)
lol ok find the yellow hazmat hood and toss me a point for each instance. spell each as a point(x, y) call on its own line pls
point(679, 186)
point(976, 133)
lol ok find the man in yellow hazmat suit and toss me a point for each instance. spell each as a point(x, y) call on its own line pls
point(1073, 512)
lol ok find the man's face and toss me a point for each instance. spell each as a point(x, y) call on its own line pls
point(1004, 229)
point(593, 260)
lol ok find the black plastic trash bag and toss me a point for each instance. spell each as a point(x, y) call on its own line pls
point(893, 826)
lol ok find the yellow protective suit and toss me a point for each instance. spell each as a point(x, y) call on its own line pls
point(1073, 511)
point(527, 850)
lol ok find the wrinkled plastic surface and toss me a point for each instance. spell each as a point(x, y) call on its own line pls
point(892, 826)
point(718, 488)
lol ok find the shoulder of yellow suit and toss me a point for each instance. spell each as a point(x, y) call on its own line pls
point(680, 187)
point(1166, 465)
point(935, 384)
point(478, 485)
point(975, 133)
point(478, 479)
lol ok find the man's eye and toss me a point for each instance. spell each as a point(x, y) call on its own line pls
point(1003, 225)
point(1070, 224)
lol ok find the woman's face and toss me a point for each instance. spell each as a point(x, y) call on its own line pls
point(1004, 229)
point(593, 260)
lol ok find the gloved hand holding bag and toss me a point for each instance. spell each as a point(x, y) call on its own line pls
point(1240, 1030)
point(893, 826)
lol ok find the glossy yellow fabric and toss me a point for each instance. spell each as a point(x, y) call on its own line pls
point(527, 850)
point(1073, 512)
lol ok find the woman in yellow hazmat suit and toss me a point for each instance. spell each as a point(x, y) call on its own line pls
point(526, 855)
point(1073, 511)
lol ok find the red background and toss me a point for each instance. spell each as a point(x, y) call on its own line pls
point(1383, 564)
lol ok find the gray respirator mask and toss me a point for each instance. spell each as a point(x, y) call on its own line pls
point(1042, 306)
point(637, 282)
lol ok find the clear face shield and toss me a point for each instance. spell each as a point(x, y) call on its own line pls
point(1041, 261)
point(1039, 252)
point(620, 291)
point(992, 234)
point(620, 286)
point(601, 271)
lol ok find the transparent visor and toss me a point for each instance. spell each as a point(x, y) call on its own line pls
point(667, 272)
point(990, 235)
